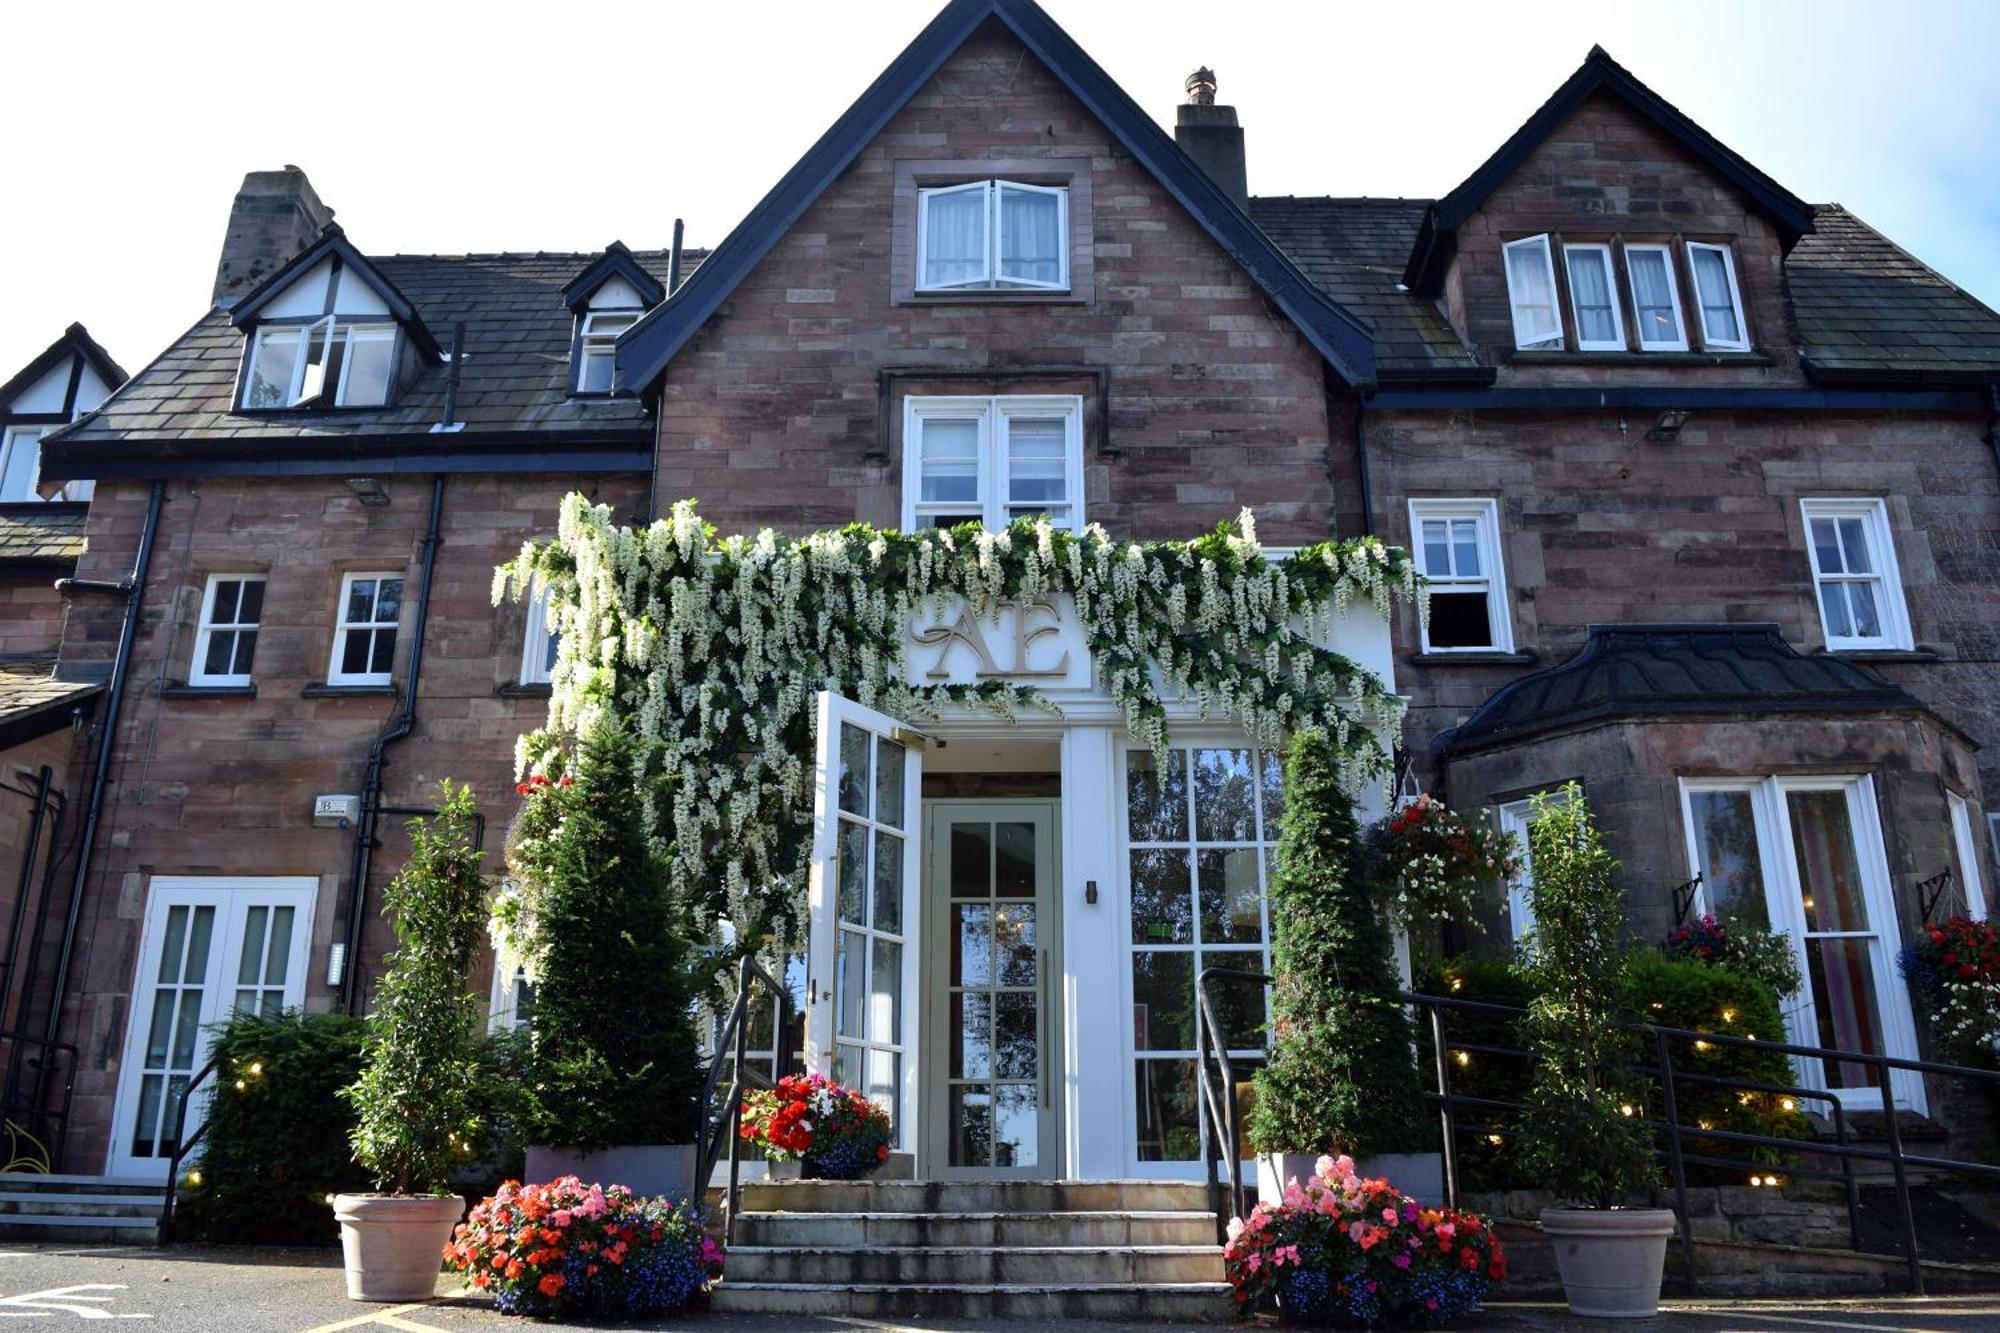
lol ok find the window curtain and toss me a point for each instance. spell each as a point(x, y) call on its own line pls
point(1718, 311)
point(1591, 286)
point(954, 238)
point(1533, 295)
point(1652, 291)
point(1030, 236)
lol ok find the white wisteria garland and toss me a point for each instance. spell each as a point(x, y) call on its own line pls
point(712, 651)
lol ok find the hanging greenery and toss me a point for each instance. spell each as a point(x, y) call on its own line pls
point(712, 650)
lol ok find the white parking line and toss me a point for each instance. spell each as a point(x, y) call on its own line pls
point(75, 1300)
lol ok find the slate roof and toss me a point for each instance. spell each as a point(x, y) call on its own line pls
point(40, 534)
point(1648, 670)
point(32, 701)
point(515, 376)
point(1868, 309)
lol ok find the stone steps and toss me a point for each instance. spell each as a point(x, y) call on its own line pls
point(78, 1209)
point(1130, 1250)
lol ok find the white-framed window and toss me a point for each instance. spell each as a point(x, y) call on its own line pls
point(992, 460)
point(329, 361)
point(1803, 856)
point(1970, 884)
point(993, 234)
point(1656, 300)
point(1515, 816)
point(1457, 543)
point(1713, 268)
point(1593, 297)
point(1201, 832)
point(1531, 293)
point(364, 638)
point(511, 1003)
point(21, 462)
point(1860, 589)
point(225, 641)
point(539, 641)
point(597, 344)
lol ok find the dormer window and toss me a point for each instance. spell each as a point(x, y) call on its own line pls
point(993, 235)
point(1714, 270)
point(597, 344)
point(326, 363)
point(1531, 291)
point(1656, 303)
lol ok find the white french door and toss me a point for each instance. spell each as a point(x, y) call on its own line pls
point(1804, 856)
point(212, 947)
point(864, 904)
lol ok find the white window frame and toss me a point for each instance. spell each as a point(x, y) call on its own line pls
point(1784, 904)
point(1499, 612)
point(1891, 608)
point(342, 627)
point(1972, 885)
point(1741, 343)
point(536, 634)
point(17, 437)
point(1514, 818)
point(503, 1001)
point(1527, 339)
point(992, 415)
point(990, 278)
point(598, 344)
point(1616, 343)
point(349, 331)
point(207, 627)
point(1678, 343)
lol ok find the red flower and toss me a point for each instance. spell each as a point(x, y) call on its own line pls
point(552, 1284)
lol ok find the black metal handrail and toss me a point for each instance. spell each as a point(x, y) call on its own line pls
point(183, 1145)
point(1220, 1112)
point(728, 1122)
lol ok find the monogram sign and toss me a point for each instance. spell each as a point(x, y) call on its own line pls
point(1037, 643)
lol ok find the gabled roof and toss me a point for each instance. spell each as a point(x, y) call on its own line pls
point(615, 262)
point(1598, 73)
point(648, 346)
point(333, 243)
point(75, 341)
point(1626, 671)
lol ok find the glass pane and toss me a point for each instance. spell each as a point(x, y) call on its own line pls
point(1829, 872)
point(596, 374)
point(382, 650)
point(369, 361)
point(950, 460)
point(360, 601)
point(971, 944)
point(1163, 1001)
point(1162, 897)
point(1016, 1125)
point(1239, 1006)
point(889, 760)
point(19, 462)
point(1833, 605)
point(1861, 601)
point(278, 963)
point(1014, 938)
point(1272, 770)
point(1014, 860)
point(851, 873)
point(971, 1035)
point(848, 984)
point(1534, 300)
point(1732, 869)
point(161, 1028)
point(246, 1001)
point(884, 1083)
point(1169, 1130)
point(1224, 803)
point(198, 938)
point(885, 993)
point(145, 1125)
point(247, 965)
point(954, 237)
point(971, 860)
point(271, 369)
point(354, 652)
point(851, 783)
point(1437, 547)
point(1843, 991)
point(1652, 293)
point(174, 946)
point(1854, 545)
point(1460, 620)
point(971, 1127)
point(187, 1026)
point(221, 653)
point(1015, 1036)
point(1826, 546)
point(1718, 311)
point(1031, 239)
point(1465, 548)
point(1590, 294)
point(1036, 468)
point(888, 882)
point(246, 651)
point(1156, 801)
point(1232, 899)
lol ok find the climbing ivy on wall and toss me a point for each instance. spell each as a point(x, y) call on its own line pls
point(711, 650)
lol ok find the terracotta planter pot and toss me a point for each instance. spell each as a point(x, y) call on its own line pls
point(1610, 1259)
point(394, 1243)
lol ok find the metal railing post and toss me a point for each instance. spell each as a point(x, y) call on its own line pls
point(1446, 1120)
point(1904, 1213)
point(1205, 1105)
point(734, 1127)
point(1852, 1190)
point(1672, 1107)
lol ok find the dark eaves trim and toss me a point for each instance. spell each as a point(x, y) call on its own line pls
point(1717, 398)
point(34, 723)
point(1857, 376)
point(622, 449)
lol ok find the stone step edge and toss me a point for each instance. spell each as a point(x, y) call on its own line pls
point(53, 1197)
point(983, 1288)
point(76, 1220)
point(1094, 1215)
point(13, 1178)
point(848, 1250)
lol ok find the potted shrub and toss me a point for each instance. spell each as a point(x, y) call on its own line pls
point(1341, 1076)
point(613, 1066)
point(415, 1103)
point(831, 1132)
point(1582, 1134)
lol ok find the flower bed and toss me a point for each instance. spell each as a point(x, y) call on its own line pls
point(566, 1248)
point(836, 1133)
point(1359, 1253)
point(1954, 969)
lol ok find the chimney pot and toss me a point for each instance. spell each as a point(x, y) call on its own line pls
point(1210, 135)
point(275, 215)
point(1201, 87)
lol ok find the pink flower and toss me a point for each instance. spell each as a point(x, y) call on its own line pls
point(1236, 1227)
point(1446, 1230)
point(1389, 1215)
point(1401, 1260)
point(1355, 1230)
point(560, 1217)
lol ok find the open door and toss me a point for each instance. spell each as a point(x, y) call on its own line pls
point(861, 1020)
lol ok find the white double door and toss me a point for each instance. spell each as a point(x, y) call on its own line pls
point(212, 947)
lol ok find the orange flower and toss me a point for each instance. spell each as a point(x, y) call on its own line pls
point(552, 1284)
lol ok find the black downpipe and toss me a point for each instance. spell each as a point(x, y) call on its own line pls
point(398, 727)
point(653, 462)
point(107, 736)
point(674, 258)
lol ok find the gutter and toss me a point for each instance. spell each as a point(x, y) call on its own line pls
point(134, 589)
point(398, 727)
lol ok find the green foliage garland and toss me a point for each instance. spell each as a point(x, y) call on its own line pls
point(712, 651)
point(1341, 1076)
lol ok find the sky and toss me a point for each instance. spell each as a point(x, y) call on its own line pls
point(435, 128)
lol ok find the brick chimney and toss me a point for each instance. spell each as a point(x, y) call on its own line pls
point(1210, 135)
point(275, 215)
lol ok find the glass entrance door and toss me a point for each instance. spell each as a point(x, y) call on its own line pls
point(990, 882)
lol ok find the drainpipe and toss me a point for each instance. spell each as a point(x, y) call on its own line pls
point(398, 727)
point(135, 596)
point(653, 467)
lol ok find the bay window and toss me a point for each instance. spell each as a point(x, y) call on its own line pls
point(326, 363)
point(1858, 585)
point(993, 235)
point(1531, 294)
point(992, 460)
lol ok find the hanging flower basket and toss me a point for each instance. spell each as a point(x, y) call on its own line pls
point(1441, 862)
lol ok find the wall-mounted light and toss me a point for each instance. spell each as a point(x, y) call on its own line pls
point(1668, 427)
point(336, 963)
point(369, 489)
